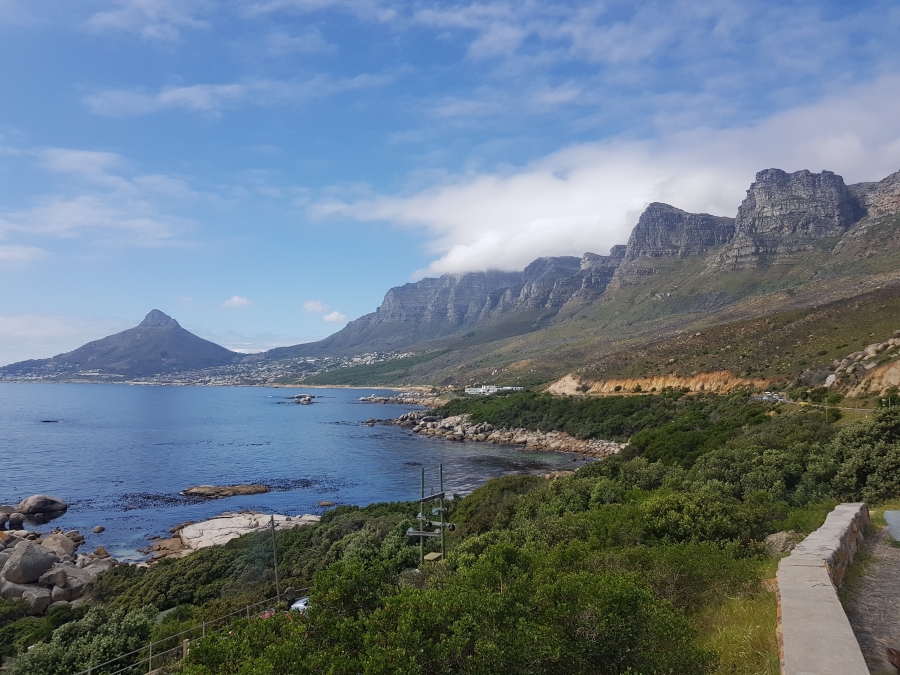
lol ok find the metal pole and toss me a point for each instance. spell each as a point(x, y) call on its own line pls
point(275, 558)
point(443, 552)
point(150, 660)
point(421, 522)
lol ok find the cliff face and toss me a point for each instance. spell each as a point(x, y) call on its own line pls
point(663, 231)
point(783, 215)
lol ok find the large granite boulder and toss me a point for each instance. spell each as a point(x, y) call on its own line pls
point(38, 600)
point(7, 508)
point(16, 521)
point(11, 591)
point(27, 563)
point(59, 544)
point(56, 576)
point(42, 504)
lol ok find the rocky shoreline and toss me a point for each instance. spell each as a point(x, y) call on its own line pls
point(405, 398)
point(460, 428)
point(192, 536)
point(45, 570)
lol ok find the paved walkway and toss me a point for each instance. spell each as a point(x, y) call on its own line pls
point(873, 602)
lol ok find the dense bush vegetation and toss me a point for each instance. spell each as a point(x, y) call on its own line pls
point(612, 570)
point(669, 427)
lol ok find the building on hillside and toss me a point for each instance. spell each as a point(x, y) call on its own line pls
point(488, 389)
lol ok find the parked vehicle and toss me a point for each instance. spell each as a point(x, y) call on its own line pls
point(300, 605)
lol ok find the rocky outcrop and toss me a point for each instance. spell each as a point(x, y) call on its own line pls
point(785, 213)
point(41, 504)
point(216, 531)
point(460, 428)
point(44, 570)
point(881, 199)
point(222, 491)
point(663, 231)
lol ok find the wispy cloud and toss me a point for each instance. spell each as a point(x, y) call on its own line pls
point(315, 306)
point(588, 196)
point(334, 317)
point(14, 257)
point(158, 20)
point(236, 301)
point(214, 98)
point(42, 335)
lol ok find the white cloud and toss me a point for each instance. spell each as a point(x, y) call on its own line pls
point(587, 197)
point(131, 222)
point(160, 20)
point(236, 301)
point(214, 98)
point(334, 317)
point(42, 335)
point(315, 306)
point(16, 257)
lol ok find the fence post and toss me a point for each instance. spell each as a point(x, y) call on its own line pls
point(150, 660)
point(204, 629)
point(248, 611)
point(185, 648)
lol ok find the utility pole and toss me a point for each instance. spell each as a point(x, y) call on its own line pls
point(275, 558)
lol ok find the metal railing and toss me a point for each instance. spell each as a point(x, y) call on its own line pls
point(162, 652)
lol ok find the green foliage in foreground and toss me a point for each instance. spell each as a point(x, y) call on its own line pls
point(670, 427)
point(616, 569)
point(101, 635)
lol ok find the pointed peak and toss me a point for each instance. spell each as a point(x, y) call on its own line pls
point(159, 319)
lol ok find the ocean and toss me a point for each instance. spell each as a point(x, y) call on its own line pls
point(120, 455)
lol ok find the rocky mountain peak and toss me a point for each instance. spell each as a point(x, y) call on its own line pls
point(785, 213)
point(881, 199)
point(663, 230)
point(157, 319)
point(814, 205)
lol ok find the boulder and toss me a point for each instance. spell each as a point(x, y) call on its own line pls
point(7, 508)
point(100, 552)
point(42, 504)
point(4, 518)
point(16, 521)
point(38, 600)
point(99, 529)
point(27, 563)
point(59, 544)
point(780, 543)
point(55, 577)
point(10, 591)
point(59, 594)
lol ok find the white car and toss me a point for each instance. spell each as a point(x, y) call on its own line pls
point(300, 605)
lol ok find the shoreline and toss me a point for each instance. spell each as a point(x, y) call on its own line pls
point(458, 428)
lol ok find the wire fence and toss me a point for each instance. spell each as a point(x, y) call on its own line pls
point(173, 648)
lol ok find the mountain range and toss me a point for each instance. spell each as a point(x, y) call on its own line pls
point(798, 241)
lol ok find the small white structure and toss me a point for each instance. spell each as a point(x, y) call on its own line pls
point(488, 389)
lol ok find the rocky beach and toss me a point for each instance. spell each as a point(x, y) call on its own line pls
point(461, 428)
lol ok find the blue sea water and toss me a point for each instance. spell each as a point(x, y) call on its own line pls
point(120, 455)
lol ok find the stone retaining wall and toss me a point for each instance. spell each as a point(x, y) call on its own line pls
point(814, 634)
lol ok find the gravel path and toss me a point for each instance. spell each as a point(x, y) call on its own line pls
point(872, 602)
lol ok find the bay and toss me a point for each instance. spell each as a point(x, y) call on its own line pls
point(120, 455)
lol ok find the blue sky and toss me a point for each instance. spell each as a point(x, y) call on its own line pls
point(265, 171)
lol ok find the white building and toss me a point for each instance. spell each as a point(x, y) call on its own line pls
point(488, 389)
